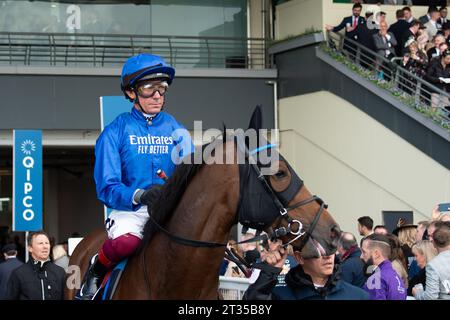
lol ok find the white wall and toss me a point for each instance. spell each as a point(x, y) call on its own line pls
point(358, 166)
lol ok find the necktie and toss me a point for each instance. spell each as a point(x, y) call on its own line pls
point(355, 22)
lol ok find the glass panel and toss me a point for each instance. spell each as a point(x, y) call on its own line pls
point(131, 19)
point(162, 17)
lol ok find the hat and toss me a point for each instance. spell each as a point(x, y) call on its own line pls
point(9, 247)
point(401, 224)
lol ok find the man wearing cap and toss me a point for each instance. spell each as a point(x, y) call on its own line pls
point(128, 156)
point(6, 268)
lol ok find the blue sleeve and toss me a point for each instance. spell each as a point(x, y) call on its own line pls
point(108, 172)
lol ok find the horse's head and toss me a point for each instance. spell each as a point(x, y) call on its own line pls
point(274, 199)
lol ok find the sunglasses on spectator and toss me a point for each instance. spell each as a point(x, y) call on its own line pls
point(148, 89)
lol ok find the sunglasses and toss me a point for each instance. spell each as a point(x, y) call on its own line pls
point(148, 89)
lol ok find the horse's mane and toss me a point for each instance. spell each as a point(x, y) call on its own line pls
point(165, 198)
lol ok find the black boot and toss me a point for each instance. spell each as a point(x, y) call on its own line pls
point(94, 278)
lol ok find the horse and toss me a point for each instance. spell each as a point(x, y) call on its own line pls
point(190, 221)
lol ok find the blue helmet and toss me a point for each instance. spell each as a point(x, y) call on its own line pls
point(145, 66)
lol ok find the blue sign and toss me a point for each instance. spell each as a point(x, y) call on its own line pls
point(110, 108)
point(27, 180)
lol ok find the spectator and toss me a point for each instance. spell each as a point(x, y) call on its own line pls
point(411, 33)
point(407, 237)
point(6, 268)
point(408, 15)
point(422, 39)
point(384, 283)
point(365, 36)
point(424, 19)
point(398, 29)
point(311, 279)
point(430, 230)
point(350, 263)
point(385, 42)
point(438, 69)
point(39, 278)
point(380, 230)
point(442, 16)
point(446, 32)
point(424, 252)
point(415, 61)
point(421, 228)
point(398, 259)
point(351, 24)
point(438, 269)
point(432, 24)
point(60, 257)
point(365, 225)
point(435, 51)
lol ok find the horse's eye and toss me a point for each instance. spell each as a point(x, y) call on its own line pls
point(280, 174)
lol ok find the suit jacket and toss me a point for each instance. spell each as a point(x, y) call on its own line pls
point(432, 53)
point(424, 19)
point(382, 46)
point(349, 20)
point(437, 278)
point(6, 268)
point(398, 29)
point(431, 29)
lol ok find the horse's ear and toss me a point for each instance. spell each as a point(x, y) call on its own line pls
point(256, 120)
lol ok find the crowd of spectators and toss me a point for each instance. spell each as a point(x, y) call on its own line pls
point(419, 45)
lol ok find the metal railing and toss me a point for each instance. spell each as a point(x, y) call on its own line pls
point(233, 288)
point(389, 74)
point(99, 50)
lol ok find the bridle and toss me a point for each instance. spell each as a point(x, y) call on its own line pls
point(283, 210)
point(273, 235)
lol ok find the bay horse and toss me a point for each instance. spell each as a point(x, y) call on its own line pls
point(185, 238)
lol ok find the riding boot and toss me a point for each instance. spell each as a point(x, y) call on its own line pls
point(94, 279)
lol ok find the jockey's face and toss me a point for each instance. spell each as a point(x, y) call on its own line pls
point(150, 104)
point(39, 247)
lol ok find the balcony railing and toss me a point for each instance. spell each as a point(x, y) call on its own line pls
point(412, 90)
point(100, 50)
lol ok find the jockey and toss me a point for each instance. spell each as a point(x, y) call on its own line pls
point(128, 154)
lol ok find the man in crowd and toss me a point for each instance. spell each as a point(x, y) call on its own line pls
point(351, 265)
point(365, 225)
point(39, 278)
point(6, 268)
point(438, 269)
point(384, 283)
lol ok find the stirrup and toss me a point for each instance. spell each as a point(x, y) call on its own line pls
point(91, 277)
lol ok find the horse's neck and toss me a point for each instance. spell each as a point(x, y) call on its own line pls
point(206, 213)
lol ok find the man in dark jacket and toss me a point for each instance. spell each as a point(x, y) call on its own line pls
point(350, 262)
point(311, 279)
point(39, 278)
point(398, 29)
point(6, 268)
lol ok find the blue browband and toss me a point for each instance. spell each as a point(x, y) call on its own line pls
point(267, 146)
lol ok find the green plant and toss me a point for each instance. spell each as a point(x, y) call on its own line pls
point(290, 37)
point(410, 101)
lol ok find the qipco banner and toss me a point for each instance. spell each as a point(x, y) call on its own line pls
point(27, 180)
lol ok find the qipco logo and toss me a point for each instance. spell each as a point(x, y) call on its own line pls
point(373, 22)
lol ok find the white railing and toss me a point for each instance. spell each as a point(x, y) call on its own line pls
point(233, 288)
